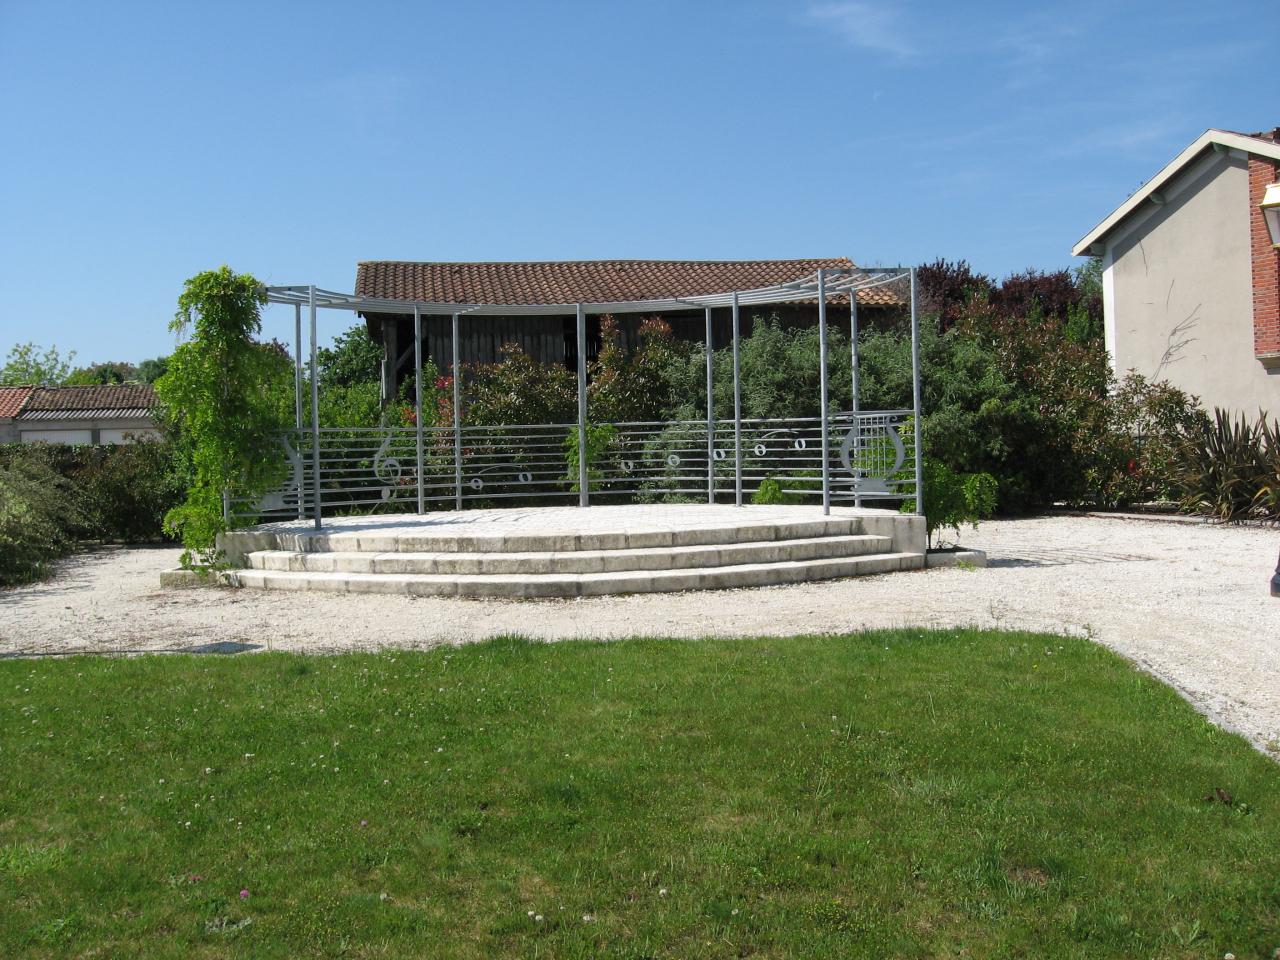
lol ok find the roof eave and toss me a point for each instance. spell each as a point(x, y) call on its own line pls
point(1234, 141)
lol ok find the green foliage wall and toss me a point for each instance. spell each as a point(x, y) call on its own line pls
point(353, 359)
point(54, 496)
point(223, 395)
point(115, 492)
point(37, 519)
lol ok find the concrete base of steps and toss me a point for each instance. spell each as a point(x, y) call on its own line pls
point(572, 561)
point(581, 584)
point(603, 528)
point(571, 552)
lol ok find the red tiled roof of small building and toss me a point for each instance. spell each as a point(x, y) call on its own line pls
point(12, 399)
point(123, 396)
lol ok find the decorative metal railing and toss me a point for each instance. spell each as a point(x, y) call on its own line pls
point(872, 458)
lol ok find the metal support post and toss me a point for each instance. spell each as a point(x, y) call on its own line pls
point(297, 366)
point(297, 396)
point(822, 391)
point(315, 410)
point(711, 416)
point(583, 495)
point(915, 396)
point(417, 401)
point(737, 411)
point(457, 419)
point(857, 398)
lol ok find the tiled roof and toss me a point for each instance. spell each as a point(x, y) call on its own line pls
point(12, 399)
point(587, 281)
point(118, 399)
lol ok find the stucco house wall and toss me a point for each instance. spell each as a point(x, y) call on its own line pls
point(107, 430)
point(1191, 281)
point(1178, 293)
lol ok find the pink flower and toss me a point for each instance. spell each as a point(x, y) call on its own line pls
point(244, 894)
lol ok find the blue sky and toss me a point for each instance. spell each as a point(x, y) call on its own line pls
point(141, 143)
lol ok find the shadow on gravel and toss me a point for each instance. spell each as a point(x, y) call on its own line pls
point(1059, 558)
point(71, 573)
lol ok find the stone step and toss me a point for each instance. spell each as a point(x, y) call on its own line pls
point(580, 584)
point(571, 561)
point(407, 537)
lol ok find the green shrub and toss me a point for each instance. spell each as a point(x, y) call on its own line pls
point(38, 519)
point(778, 370)
point(224, 395)
point(115, 492)
point(127, 489)
point(631, 386)
point(1230, 468)
point(1266, 500)
point(954, 499)
point(1138, 457)
point(769, 493)
point(600, 438)
point(517, 390)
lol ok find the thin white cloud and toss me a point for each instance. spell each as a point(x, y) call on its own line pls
point(873, 26)
point(1031, 44)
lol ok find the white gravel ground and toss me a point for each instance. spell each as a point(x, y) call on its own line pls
point(1188, 602)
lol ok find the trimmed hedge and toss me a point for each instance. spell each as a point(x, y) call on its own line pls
point(53, 496)
point(37, 519)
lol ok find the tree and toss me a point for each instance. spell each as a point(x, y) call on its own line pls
point(353, 358)
point(103, 373)
point(149, 371)
point(27, 365)
point(221, 397)
point(625, 385)
point(946, 287)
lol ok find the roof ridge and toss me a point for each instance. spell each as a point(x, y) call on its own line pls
point(133, 384)
point(530, 263)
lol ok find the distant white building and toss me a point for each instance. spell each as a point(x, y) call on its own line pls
point(1191, 274)
point(97, 414)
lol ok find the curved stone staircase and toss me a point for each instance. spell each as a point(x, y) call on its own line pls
point(758, 548)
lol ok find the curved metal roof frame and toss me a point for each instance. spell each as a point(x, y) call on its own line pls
point(835, 280)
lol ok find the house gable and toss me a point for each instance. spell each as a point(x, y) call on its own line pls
point(1191, 282)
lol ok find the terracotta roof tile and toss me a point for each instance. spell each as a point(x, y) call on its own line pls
point(12, 399)
point(586, 281)
point(124, 396)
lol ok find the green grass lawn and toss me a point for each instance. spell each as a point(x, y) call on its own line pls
point(904, 793)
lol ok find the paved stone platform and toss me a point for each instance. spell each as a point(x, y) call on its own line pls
point(573, 551)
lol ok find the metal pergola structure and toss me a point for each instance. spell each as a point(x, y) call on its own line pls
point(819, 287)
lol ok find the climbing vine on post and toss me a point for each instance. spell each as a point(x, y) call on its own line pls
point(219, 398)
